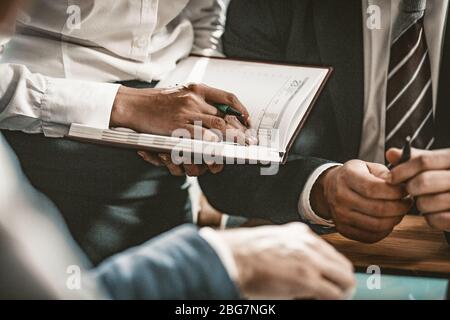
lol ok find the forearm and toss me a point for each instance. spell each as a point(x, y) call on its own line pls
point(242, 190)
point(34, 103)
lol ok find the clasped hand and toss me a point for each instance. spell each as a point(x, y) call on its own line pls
point(367, 200)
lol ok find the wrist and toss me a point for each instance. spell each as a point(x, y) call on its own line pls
point(121, 110)
point(318, 197)
point(245, 273)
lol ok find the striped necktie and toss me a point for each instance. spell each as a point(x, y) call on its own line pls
point(409, 110)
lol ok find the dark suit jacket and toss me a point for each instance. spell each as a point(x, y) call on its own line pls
point(177, 265)
point(325, 32)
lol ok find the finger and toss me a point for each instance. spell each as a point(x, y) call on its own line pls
point(366, 184)
point(240, 132)
point(379, 171)
point(212, 122)
point(221, 128)
point(333, 255)
point(368, 223)
point(214, 95)
point(204, 134)
point(377, 208)
point(252, 137)
point(196, 100)
point(236, 136)
point(361, 235)
point(234, 122)
point(205, 108)
point(338, 269)
point(433, 203)
point(429, 182)
point(215, 168)
point(193, 170)
point(326, 290)
point(174, 170)
point(439, 221)
point(394, 155)
point(421, 160)
point(150, 158)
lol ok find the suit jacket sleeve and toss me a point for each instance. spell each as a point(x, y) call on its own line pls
point(241, 189)
point(177, 265)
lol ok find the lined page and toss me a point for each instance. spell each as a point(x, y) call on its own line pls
point(274, 94)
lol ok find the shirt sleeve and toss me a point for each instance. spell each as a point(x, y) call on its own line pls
point(208, 18)
point(222, 250)
point(33, 103)
point(304, 205)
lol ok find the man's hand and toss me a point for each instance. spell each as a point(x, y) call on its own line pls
point(427, 179)
point(286, 262)
point(362, 204)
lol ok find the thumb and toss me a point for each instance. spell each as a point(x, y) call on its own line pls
point(379, 171)
point(394, 155)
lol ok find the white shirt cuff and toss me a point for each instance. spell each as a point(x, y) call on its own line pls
point(222, 250)
point(304, 205)
point(72, 101)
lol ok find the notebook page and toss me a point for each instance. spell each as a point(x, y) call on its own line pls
point(273, 94)
point(298, 113)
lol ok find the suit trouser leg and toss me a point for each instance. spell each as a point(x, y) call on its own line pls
point(110, 198)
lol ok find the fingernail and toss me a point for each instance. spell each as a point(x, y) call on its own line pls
point(211, 138)
point(164, 157)
point(142, 155)
point(387, 176)
point(253, 140)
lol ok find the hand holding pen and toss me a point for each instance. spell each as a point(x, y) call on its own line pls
point(426, 176)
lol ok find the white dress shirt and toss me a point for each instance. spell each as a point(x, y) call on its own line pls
point(60, 66)
point(377, 43)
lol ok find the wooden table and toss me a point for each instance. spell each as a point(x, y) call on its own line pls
point(412, 249)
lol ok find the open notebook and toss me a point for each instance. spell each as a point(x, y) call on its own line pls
point(278, 98)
